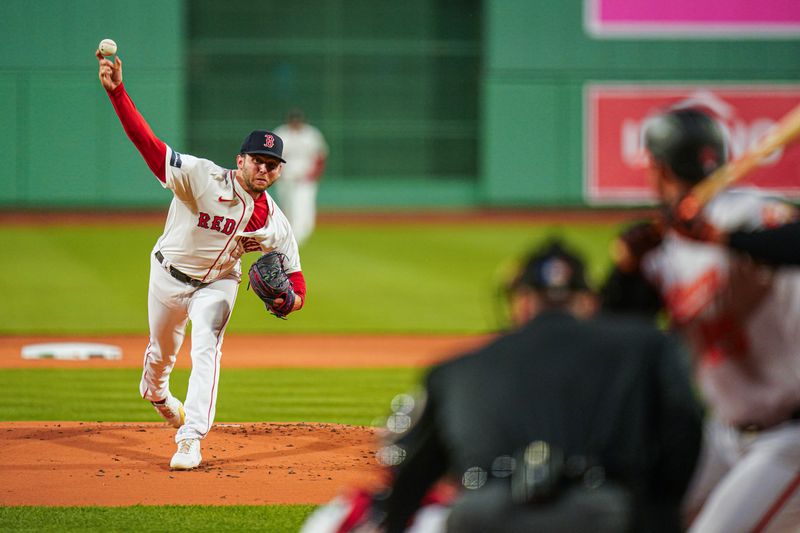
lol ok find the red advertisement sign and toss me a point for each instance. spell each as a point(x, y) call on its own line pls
point(616, 161)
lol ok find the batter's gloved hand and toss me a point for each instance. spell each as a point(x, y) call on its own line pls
point(697, 228)
point(270, 282)
point(632, 244)
point(688, 220)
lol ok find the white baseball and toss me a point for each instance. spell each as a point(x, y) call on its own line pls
point(108, 47)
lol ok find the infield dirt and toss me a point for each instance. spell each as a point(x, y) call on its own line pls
point(108, 464)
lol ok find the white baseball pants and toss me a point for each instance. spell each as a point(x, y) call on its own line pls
point(747, 481)
point(171, 303)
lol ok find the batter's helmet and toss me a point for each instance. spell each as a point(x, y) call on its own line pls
point(688, 141)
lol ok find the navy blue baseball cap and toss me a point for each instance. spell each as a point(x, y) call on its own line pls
point(263, 142)
point(553, 270)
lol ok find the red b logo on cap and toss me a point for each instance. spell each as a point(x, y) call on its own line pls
point(270, 141)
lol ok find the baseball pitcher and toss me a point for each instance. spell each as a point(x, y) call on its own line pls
point(216, 216)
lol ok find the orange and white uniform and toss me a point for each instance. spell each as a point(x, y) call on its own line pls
point(742, 321)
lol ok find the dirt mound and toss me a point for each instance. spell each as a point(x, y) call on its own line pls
point(81, 463)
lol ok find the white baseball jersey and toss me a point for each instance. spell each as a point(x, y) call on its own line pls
point(743, 322)
point(741, 319)
point(207, 220)
point(301, 148)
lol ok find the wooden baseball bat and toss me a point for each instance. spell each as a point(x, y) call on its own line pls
point(784, 133)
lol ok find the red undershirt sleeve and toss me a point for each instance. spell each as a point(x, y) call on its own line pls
point(151, 147)
point(260, 212)
point(299, 285)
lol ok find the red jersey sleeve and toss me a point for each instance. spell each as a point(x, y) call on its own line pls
point(151, 147)
point(299, 285)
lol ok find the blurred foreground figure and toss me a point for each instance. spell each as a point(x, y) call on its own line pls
point(740, 319)
point(567, 423)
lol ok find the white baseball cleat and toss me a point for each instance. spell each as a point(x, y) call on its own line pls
point(171, 411)
point(187, 456)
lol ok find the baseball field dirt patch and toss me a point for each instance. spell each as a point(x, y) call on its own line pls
point(266, 351)
point(80, 463)
point(108, 464)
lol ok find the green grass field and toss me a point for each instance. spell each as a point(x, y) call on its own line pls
point(355, 396)
point(385, 278)
point(371, 279)
point(266, 519)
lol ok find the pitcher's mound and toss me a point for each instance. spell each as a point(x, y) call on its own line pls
point(82, 463)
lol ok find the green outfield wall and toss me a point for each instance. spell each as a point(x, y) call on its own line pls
point(61, 144)
point(538, 58)
point(424, 103)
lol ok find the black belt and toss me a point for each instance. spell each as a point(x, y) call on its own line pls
point(794, 415)
point(177, 274)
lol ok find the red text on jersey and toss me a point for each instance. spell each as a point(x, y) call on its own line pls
point(204, 220)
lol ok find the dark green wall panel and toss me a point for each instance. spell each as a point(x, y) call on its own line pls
point(392, 86)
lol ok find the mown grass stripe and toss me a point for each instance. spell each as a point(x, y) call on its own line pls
point(354, 396)
point(268, 519)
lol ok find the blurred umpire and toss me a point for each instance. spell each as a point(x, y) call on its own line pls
point(567, 423)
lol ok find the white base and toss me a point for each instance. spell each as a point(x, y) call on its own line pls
point(80, 351)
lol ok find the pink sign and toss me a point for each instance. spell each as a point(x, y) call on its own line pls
point(616, 161)
point(698, 18)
